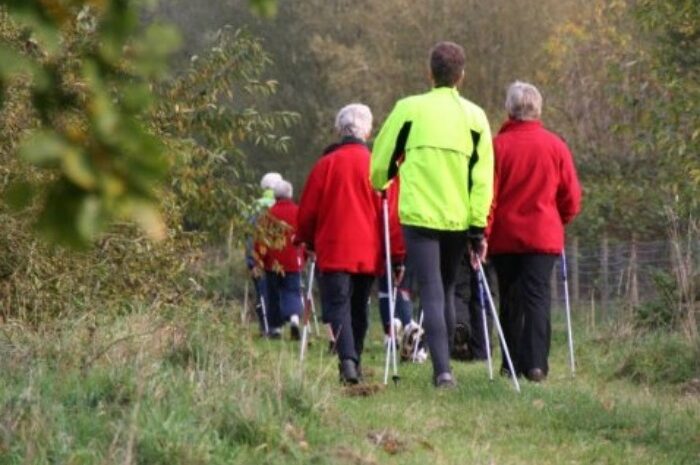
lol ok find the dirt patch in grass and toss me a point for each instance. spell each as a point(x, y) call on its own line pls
point(363, 390)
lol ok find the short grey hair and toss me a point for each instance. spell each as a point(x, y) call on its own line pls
point(354, 120)
point(523, 101)
point(269, 180)
point(283, 189)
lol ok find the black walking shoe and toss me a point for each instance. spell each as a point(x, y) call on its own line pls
point(536, 375)
point(294, 332)
point(445, 381)
point(348, 371)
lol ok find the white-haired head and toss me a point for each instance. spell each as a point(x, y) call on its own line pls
point(283, 189)
point(354, 120)
point(269, 180)
point(523, 101)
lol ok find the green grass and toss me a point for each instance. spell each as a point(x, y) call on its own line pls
point(191, 386)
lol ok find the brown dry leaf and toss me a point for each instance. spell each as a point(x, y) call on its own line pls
point(427, 445)
point(608, 405)
point(388, 440)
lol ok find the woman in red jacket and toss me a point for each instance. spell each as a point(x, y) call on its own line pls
point(536, 193)
point(340, 220)
point(281, 258)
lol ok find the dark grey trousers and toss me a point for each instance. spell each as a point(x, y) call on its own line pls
point(434, 257)
point(344, 298)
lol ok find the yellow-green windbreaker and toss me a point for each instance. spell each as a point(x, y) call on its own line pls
point(440, 146)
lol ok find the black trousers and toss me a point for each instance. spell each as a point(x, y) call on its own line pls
point(434, 257)
point(345, 298)
point(525, 304)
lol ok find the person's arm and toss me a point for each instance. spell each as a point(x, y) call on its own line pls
point(569, 189)
point(309, 205)
point(389, 147)
point(482, 176)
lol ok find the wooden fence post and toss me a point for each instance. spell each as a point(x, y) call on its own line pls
point(604, 276)
point(634, 283)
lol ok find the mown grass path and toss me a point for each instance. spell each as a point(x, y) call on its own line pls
point(591, 418)
point(191, 386)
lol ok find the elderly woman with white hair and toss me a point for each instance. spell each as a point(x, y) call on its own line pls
point(536, 194)
point(340, 220)
point(277, 254)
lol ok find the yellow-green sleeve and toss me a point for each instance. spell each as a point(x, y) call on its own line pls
point(482, 177)
point(384, 147)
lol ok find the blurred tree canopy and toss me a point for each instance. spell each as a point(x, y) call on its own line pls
point(98, 136)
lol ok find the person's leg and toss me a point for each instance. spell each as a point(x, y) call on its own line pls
point(507, 270)
point(383, 302)
point(423, 252)
point(291, 301)
point(536, 303)
point(273, 283)
point(453, 247)
point(477, 338)
point(359, 305)
point(403, 309)
point(335, 298)
point(461, 347)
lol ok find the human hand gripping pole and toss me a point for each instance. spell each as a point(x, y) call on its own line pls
point(391, 349)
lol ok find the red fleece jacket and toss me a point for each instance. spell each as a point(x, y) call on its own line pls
point(536, 190)
point(340, 216)
point(275, 247)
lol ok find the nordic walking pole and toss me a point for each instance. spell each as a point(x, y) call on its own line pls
point(263, 306)
point(246, 293)
point(506, 352)
point(308, 308)
point(310, 296)
point(487, 339)
point(391, 350)
point(417, 343)
point(567, 306)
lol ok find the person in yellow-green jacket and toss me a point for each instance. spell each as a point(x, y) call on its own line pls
point(439, 145)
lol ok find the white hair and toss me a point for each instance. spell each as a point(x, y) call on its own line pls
point(354, 120)
point(269, 180)
point(283, 189)
point(523, 101)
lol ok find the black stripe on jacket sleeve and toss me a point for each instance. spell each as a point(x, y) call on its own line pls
point(399, 150)
point(476, 136)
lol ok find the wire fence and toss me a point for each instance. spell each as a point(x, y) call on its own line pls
point(612, 277)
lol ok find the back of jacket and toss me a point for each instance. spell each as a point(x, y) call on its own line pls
point(339, 216)
point(276, 248)
point(439, 144)
point(537, 190)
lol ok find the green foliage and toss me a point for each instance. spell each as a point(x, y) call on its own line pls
point(207, 114)
point(130, 144)
point(661, 312)
point(87, 76)
point(623, 95)
point(661, 358)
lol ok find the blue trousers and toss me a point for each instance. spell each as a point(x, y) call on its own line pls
point(283, 297)
point(404, 306)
